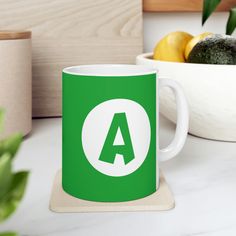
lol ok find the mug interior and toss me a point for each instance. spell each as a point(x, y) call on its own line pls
point(110, 70)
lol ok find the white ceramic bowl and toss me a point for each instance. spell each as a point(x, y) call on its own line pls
point(211, 95)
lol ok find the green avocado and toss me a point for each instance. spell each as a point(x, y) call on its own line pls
point(215, 49)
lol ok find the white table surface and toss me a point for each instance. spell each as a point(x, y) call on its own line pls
point(202, 178)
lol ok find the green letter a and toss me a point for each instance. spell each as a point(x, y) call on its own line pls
point(109, 150)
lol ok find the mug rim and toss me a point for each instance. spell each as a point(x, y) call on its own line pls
point(110, 70)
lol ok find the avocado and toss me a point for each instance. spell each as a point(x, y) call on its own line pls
point(215, 49)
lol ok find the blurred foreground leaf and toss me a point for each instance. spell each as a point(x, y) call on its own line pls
point(5, 174)
point(9, 234)
point(10, 145)
point(10, 201)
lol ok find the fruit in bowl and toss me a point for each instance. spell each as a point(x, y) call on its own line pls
point(209, 88)
point(206, 48)
point(216, 49)
point(172, 47)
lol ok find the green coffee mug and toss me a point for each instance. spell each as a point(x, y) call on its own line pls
point(110, 131)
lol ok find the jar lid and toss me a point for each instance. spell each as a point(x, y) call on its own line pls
point(6, 35)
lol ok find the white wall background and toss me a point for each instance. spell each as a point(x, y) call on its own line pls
point(156, 25)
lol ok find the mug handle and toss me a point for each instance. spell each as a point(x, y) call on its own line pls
point(182, 123)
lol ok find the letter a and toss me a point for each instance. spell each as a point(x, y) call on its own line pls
point(119, 126)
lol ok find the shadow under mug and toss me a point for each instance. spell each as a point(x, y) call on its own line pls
point(110, 131)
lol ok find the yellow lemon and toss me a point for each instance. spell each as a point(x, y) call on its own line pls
point(193, 42)
point(172, 47)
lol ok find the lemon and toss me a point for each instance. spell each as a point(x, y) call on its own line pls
point(193, 42)
point(172, 47)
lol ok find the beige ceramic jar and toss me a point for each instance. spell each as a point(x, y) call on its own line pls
point(16, 81)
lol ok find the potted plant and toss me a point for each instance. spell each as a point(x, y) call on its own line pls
point(12, 184)
point(208, 8)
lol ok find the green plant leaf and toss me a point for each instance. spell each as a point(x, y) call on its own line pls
point(5, 174)
point(9, 234)
point(10, 145)
point(11, 200)
point(208, 7)
point(231, 23)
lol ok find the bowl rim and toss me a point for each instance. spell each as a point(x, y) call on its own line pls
point(146, 56)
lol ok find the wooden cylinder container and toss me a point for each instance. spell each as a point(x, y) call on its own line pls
point(16, 81)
